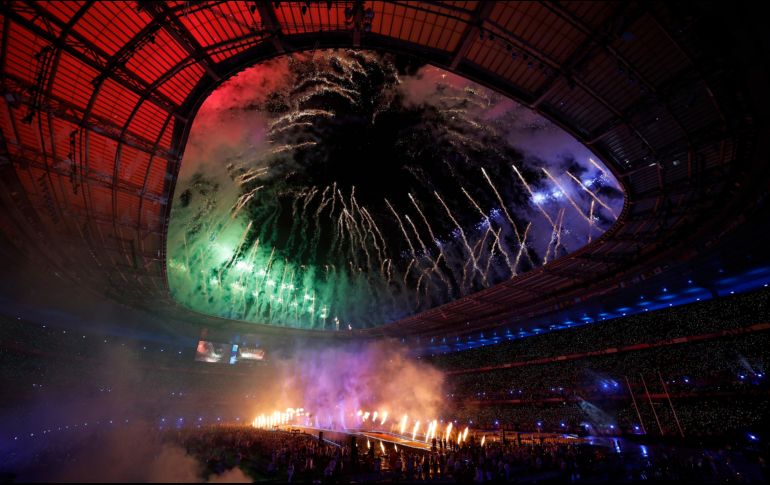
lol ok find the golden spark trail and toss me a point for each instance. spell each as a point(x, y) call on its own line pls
point(523, 245)
point(306, 243)
point(558, 185)
point(462, 235)
point(334, 198)
point(532, 196)
point(408, 268)
point(593, 196)
point(293, 116)
point(601, 169)
point(551, 242)
point(356, 235)
point(359, 229)
point(480, 245)
point(344, 213)
point(435, 268)
point(243, 200)
point(502, 205)
point(299, 124)
point(370, 226)
point(411, 246)
point(346, 93)
point(424, 220)
point(433, 238)
point(250, 175)
point(336, 234)
point(492, 251)
point(317, 235)
point(286, 148)
point(404, 421)
point(376, 228)
point(340, 233)
point(468, 263)
point(496, 234)
point(558, 233)
point(309, 197)
point(591, 219)
point(403, 229)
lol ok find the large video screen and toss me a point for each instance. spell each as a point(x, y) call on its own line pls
point(216, 352)
point(222, 353)
point(251, 354)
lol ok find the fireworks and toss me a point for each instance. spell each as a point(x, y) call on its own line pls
point(350, 209)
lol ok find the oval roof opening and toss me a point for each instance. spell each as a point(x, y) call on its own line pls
point(349, 189)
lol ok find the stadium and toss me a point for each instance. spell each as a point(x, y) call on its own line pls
point(382, 241)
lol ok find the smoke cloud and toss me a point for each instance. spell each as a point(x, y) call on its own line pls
point(112, 413)
point(333, 384)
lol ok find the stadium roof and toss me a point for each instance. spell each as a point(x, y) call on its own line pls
point(99, 98)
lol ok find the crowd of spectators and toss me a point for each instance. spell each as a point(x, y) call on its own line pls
point(725, 313)
point(736, 362)
point(263, 454)
point(715, 386)
point(673, 386)
point(285, 456)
